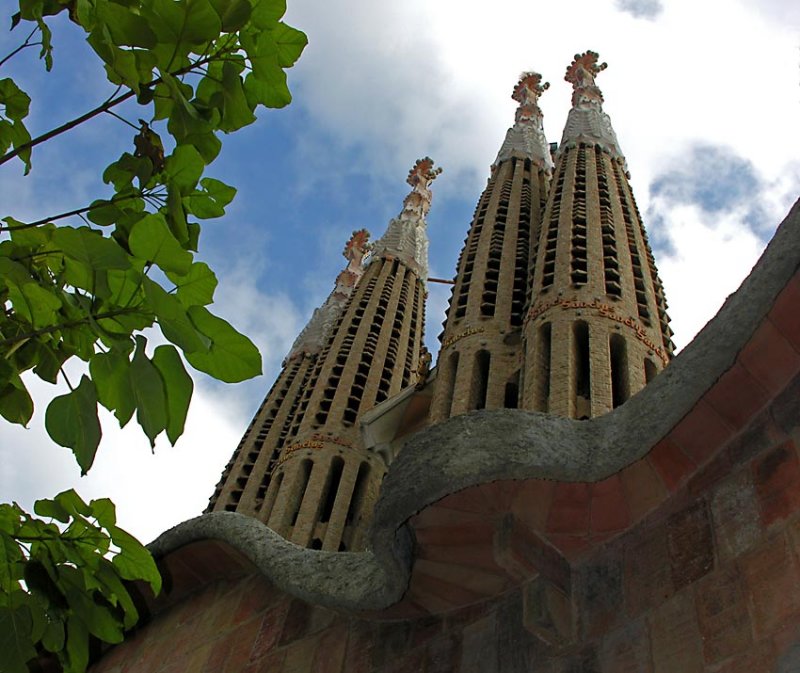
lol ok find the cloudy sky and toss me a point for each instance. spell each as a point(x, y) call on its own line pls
point(703, 95)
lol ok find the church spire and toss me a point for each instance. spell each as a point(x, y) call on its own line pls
point(597, 329)
point(246, 478)
point(526, 138)
point(405, 238)
point(479, 362)
point(586, 122)
point(303, 468)
point(316, 333)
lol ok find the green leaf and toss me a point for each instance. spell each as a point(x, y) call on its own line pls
point(232, 356)
point(91, 248)
point(16, 101)
point(38, 305)
point(107, 575)
point(16, 642)
point(223, 194)
point(233, 13)
point(104, 511)
point(148, 391)
point(211, 201)
point(267, 12)
point(52, 509)
point(134, 562)
point(126, 27)
point(111, 375)
point(178, 385)
point(173, 320)
point(151, 240)
point(290, 43)
point(53, 638)
point(71, 421)
point(195, 288)
point(269, 88)
point(16, 405)
point(77, 644)
point(184, 168)
point(236, 111)
point(73, 503)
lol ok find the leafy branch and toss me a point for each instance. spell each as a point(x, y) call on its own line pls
point(79, 284)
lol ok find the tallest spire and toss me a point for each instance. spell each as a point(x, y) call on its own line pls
point(587, 123)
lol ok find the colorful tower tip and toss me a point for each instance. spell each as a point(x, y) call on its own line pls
point(357, 246)
point(581, 73)
point(422, 172)
point(526, 93)
point(417, 204)
point(529, 88)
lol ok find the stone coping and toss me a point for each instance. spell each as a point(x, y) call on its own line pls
point(485, 446)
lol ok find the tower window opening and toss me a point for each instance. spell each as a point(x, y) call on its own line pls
point(650, 370)
point(582, 374)
point(542, 372)
point(300, 488)
point(511, 397)
point(331, 488)
point(266, 506)
point(450, 383)
point(480, 379)
point(359, 489)
point(620, 381)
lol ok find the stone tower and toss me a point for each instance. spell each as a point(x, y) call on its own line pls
point(247, 477)
point(480, 362)
point(597, 329)
point(301, 467)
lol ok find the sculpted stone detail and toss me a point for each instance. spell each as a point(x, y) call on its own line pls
point(587, 123)
point(311, 340)
point(405, 238)
point(423, 369)
point(527, 135)
point(603, 310)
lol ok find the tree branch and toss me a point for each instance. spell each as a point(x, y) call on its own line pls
point(25, 44)
point(67, 325)
point(103, 107)
point(77, 211)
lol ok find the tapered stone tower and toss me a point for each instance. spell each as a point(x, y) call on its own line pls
point(247, 477)
point(597, 329)
point(302, 467)
point(480, 360)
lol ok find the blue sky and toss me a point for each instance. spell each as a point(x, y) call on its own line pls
point(706, 117)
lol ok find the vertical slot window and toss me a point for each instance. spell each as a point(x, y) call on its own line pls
point(480, 382)
point(582, 374)
point(620, 382)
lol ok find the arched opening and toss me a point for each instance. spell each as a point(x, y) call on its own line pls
point(650, 370)
point(331, 488)
point(620, 382)
point(480, 380)
point(511, 397)
point(541, 376)
point(300, 488)
point(582, 377)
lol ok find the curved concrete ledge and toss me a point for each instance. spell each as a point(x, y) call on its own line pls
point(355, 581)
point(506, 444)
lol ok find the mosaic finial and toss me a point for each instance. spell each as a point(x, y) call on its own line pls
point(526, 93)
point(356, 248)
point(581, 73)
point(418, 202)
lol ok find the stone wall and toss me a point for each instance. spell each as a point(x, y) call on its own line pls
point(709, 582)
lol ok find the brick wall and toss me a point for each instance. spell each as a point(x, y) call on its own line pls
point(709, 582)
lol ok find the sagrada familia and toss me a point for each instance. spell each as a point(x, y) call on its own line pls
point(559, 493)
